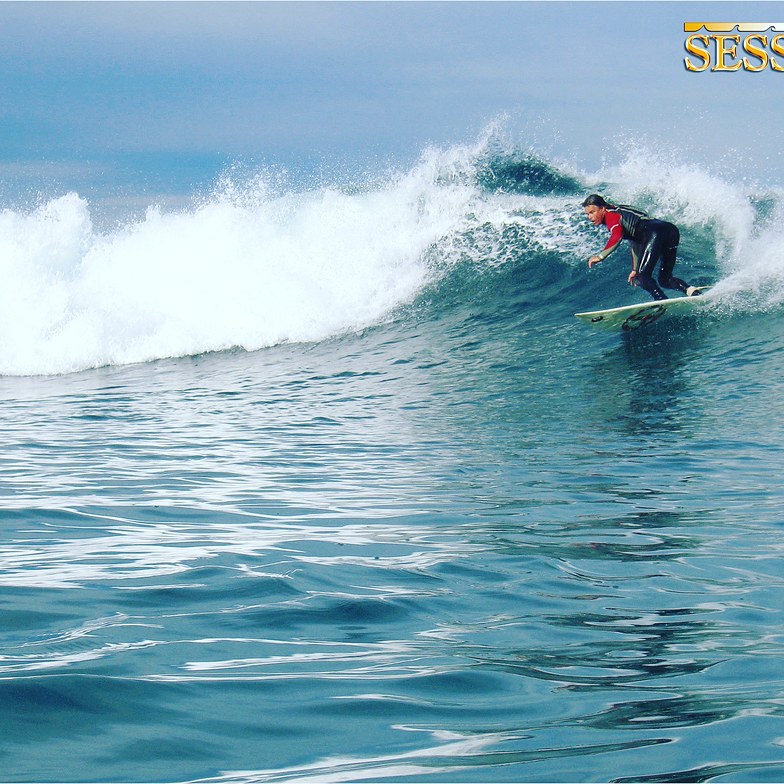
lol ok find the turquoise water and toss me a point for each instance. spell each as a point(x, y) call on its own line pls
point(330, 485)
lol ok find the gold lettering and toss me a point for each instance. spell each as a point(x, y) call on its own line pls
point(777, 45)
point(704, 55)
point(723, 51)
point(756, 51)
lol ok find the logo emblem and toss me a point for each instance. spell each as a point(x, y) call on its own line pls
point(732, 46)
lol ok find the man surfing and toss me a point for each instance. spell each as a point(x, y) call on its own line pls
point(650, 240)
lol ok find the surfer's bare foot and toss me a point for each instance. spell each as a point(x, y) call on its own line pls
point(692, 291)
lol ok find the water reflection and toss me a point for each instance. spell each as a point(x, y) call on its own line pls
point(750, 771)
point(291, 548)
point(456, 753)
point(631, 649)
point(679, 710)
point(644, 385)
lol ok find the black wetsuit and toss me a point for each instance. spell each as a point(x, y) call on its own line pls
point(651, 240)
point(656, 240)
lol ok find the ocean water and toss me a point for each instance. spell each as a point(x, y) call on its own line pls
point(327, 484)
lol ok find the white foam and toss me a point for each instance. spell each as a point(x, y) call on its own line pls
point(756, 270)
point(244, 269)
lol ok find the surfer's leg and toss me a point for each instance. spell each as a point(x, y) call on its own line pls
point(650, 255)
point(670, 237)
point(649, 284)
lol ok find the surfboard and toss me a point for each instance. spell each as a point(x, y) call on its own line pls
point(643, 314)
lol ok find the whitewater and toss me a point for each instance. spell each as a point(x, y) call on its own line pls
point(251, 265)
point(326, 483)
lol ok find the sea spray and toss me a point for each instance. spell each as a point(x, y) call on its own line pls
point(756, 279)
point(234, 271)
point(257, 263)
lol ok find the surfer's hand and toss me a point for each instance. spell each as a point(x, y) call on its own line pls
point(593, 260)
point(632, 276)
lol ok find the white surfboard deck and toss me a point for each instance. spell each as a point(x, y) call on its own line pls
point(643, 314)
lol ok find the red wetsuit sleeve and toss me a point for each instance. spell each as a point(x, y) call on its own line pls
point(612, 220)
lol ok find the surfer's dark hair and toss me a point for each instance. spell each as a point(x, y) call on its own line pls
point(595, 200)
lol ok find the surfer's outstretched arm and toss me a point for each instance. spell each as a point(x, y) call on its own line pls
point(600, 214)
point(635, 266)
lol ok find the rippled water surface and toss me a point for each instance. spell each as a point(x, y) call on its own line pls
point(406, 554)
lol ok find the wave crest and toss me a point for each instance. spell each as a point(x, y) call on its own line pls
point(257, 264)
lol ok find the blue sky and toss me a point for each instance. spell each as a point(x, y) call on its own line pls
point(180, 83)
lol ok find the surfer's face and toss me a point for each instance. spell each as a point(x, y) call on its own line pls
point(595, 214)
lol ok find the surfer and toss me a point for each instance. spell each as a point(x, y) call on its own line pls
point(650, 240)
